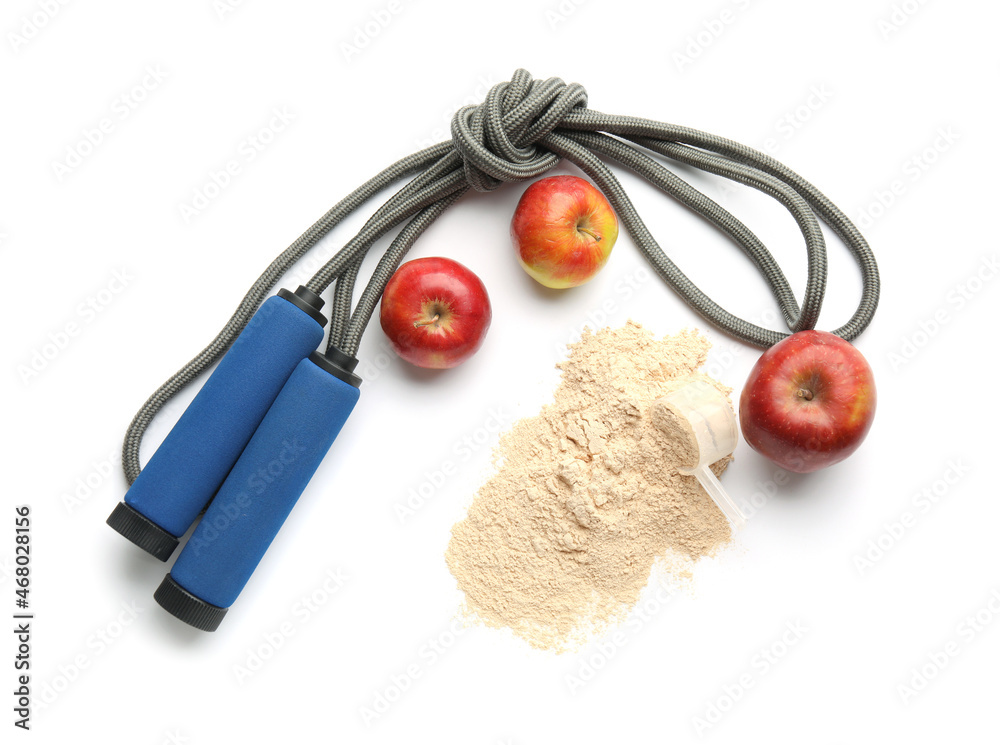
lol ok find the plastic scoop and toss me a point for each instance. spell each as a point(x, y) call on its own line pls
point(700, 417)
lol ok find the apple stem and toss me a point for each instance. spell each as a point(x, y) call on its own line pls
point(591, 233)
point(435, 319)
point(805, 393)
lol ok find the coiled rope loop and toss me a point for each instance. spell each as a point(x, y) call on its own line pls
point(524, 128)
point(496, 139)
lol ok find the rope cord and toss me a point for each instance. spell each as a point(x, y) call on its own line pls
point(523, 129)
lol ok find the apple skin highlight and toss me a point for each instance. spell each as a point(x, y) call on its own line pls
point(435, 312)
point(808, 402)
point(563, 230)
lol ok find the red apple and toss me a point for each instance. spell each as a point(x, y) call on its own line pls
point(435, 312)
point(563, 230)
point(809, 401)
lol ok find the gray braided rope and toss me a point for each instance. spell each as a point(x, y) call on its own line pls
point(258, 293)
point(522, 130)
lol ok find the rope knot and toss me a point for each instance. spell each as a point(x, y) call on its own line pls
point(496, 139)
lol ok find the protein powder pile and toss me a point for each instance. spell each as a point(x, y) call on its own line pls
point(586, 497)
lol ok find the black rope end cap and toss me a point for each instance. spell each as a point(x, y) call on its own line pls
point(181, 604)
point(305, 300)
point(142, 531)
point(339, 364)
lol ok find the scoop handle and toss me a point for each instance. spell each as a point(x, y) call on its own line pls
point(711, 484)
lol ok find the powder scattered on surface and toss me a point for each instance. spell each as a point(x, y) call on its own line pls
point(586, 498)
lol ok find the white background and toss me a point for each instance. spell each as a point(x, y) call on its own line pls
point(889, 107)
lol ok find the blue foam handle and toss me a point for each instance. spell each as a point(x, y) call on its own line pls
point(264, 485)
point(192, 462)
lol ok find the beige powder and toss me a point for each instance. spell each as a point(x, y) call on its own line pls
point(586, 499)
